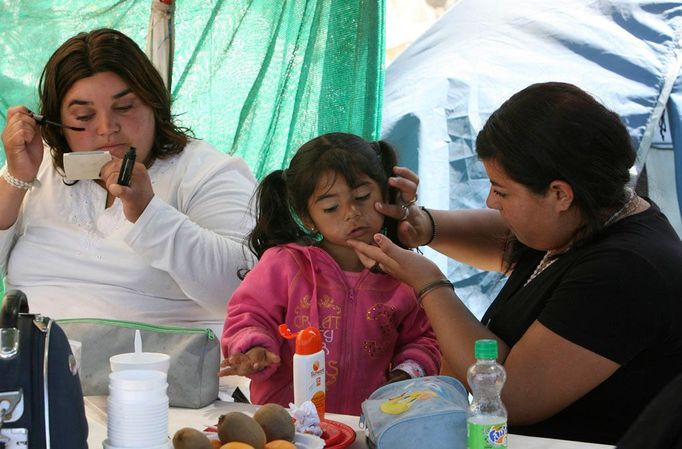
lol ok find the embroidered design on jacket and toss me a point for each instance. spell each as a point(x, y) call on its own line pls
point(384, 315)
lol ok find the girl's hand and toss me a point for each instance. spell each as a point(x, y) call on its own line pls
point(134, 197)
point(252, 361)
point(404, 265)
point(414, 229)
point(23, 144)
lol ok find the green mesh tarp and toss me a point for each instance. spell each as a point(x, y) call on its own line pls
point(256, 78)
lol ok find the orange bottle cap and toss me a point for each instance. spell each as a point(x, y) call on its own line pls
point(308, 340)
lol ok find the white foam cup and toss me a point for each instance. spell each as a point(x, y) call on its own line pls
point(137, 380)
point(136, 425)
point(140, 361)
point(144, 400)
point(107, 445)
point(137, 438)
point(152, 395)
point(134, 437)
point(138, 407)
point(123, 435)
point(138, 442)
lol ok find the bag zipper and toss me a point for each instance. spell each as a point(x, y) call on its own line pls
point(143, 326)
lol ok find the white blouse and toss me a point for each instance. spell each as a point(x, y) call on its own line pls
point(176, 265)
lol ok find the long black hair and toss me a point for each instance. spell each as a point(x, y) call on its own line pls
point(556, 131)
point(282, 196)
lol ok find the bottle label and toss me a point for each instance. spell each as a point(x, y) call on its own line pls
point(487, 435)
point(318, 401)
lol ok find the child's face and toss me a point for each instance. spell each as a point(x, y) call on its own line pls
point(340, 212)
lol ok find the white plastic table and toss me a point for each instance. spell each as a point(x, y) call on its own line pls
point(96, 411)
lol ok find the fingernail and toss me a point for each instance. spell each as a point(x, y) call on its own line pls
point(378, 205)
point(378, 237)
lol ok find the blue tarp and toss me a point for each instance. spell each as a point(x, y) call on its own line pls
point(440, 91)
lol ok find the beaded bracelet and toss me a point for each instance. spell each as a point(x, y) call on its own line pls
point(433, 226)
point(433, 286)
point(18, 183)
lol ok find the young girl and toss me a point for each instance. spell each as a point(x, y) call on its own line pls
point(373, 330)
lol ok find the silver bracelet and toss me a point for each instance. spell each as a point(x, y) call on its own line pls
point(18, 183)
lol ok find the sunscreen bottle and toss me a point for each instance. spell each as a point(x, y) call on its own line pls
point(309, 373)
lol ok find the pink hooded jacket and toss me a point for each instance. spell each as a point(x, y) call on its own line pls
point(369, 323)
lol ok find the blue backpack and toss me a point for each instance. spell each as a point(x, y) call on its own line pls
point(41, 401)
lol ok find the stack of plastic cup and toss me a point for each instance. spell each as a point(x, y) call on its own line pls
point(137, 410)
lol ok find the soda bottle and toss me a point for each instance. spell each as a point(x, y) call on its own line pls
point(487, 417)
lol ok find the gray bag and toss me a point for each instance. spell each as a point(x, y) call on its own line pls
point(194, 356)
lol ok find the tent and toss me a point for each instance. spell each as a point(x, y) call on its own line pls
point(317, 66)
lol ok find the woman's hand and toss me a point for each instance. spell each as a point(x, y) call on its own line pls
point(23, 144)
point(404, 265)
point(252, 361)
point(134, 197)
point(414, 227)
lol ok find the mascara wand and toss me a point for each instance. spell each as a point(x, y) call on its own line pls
point(41, 120)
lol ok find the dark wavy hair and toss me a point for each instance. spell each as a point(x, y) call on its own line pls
point(556, 131)
point(285, 191)
point(107, 50)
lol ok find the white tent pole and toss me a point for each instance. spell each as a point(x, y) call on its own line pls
point(656, 113)
point(160, 38)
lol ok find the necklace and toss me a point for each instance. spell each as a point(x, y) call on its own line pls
point(630, 205)
point(544, 263)
point(551, 256)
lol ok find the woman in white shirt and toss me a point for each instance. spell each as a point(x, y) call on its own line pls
point(165, 249)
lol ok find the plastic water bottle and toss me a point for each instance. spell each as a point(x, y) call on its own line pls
point(487, 417)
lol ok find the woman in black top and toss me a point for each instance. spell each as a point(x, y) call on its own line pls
point(589, 323)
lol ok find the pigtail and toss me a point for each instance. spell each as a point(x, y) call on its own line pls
point(387, 155)
point(275, 224)
point(389, 159)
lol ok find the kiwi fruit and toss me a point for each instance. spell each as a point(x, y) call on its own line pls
point(188, 438)
point(276, 422)
point(237, 426)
